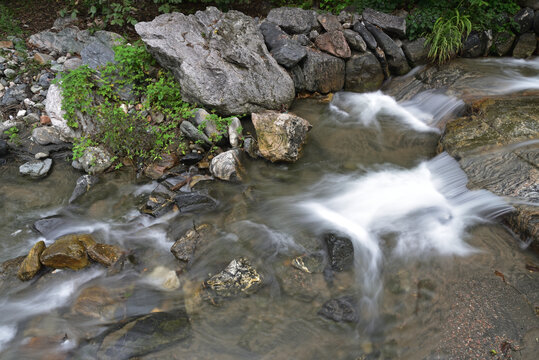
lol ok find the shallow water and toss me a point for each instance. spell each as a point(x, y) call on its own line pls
point(423, 244)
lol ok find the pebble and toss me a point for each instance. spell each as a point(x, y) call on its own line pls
point(45, 120)
point(41, 155)
point(39, 106)
point(36, 88)
point(21, 113)
point(28, 103)
point(57, 68)
point(61, 60)
point(10, 73)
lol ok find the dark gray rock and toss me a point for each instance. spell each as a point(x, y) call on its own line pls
point(525, 46)
point(184, 248)
point(274, 36)
point(84, 183)
point(49, 227)
point(475, 45)
point(219, 59)
point(536, 22)
point(45, 135)
point(14, 95)
point(329, 22)
point(524, 20)
point(97, 54)
point(294, 20)
point(416, 51)
point(343, 309)
point(355, 40)
point(191, 132)
point(3, 147)
point(191, 158)
point(319, 72)
point(340, 252)
point(503, 42)
point(45, 80)
point(302, 39)
point(194, 202)
point(392, 24)
point(363, 73)
point(289, 53)
point(395, 57)
point(360, 28)
point(159, 202)
point(227, 166)
point(36, 169)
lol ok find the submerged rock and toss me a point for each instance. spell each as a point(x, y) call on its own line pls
point(194, 202)
point(227, 166)
point(31, 264)
point(343, 309)
point(184, 248)
point(340, 252)
point(280, 136)
point(312, 263)
point(66, 252)
point(219, 59)
point(84, 183)
point(36, 168)
point(96, 302)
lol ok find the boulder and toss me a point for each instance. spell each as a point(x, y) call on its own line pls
point(329, 22)
point(239, 277)
point(72, 40)
point(319, 72)
point(391, 24)
point(220, 60)
point(45, 135)
point(395, 57)
point(289, 53)
point(343, 309)
point(97, 54)
point(525, 46)
point(363, 73)
point(66, 252)
point(340, 251)
point(194, 202)
point(184, 248)
point(104, 254)
point(14, 95)
point(274, 36)
point(83, 185)
point(31, 264)
point(503, 42)
point(95, 159)
point(227, 166)
point(280, 136)
point(416, 51)
point(475, 45)
point(360, 28)
point(143, 334)
point(355, 41)
point(294, 20)
point(36, 168)
point(334, 43)
point(524, 20)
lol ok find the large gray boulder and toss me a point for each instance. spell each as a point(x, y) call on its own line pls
point(363, 73)
point(392, 24)
point(220, 60)
point(319, 72)
point(525, 46)
point(72, 40)
point(294, 20)
point(393, 53)
point(503, 42)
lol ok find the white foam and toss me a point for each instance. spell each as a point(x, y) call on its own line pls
point(7, 333)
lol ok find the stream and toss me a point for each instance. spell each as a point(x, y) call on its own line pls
point(427, 251)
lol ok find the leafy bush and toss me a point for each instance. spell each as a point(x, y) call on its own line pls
point(111, 12)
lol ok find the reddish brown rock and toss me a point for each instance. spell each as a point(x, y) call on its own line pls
point(157, 169)
point(45, 120)
point(6, 44)
point(31, 265)
point(334, 43)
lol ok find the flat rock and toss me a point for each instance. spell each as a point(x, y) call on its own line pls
point(343, 309)
point(294, 20)
point(219, 59)
point(66, 252)
point(392, 24)
point(194, 202)
point(71, 39)
point(334, 43)
point(48, 226)
point(227, 166)
point(355, 41)
point(394, 54)
point(97, 54)
point(416, 51)
point(96, 302)
point(280, 136)
point(36, 168)
point(525, 46)
point(363, 73)
point(31, 264)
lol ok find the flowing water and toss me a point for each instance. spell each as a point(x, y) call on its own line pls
point(426, 248)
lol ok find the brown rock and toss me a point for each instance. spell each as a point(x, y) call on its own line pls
point(31, 265)
point(334, 43)
point(6, 44)
point(67, 252)
point(45, 120)
point(42, 58)
point(157, 169)
point(86, 240)
point(104, 254)
point(184, 248)
point(95, 302)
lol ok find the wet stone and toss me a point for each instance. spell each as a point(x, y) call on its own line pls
point(84, 183)
point(66, 252)
point(96, 302)
point(340, 252)
point(36, 169)
point(104, 254)
point(48, 226)
point(311, 263)
point(31, 264)
point(194, 202)
point(298, 284)
point(343, 309)
point(184, 248)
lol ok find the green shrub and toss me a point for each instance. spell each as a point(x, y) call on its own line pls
point(8, 24)
point(445, 40)
point(111, 12)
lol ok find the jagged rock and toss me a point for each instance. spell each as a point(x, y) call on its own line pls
point(503, 42)
point(184, 248)
point(340, 252)
point(355, 40)
point(360, 28)
point(104, 254)
point(191, 132)
point(143, 334)
point(194, 202)
point(525, 46)
point(97, 54)
point(392, 24)
point(66, 252)
point(239, 277)
point(416, 51)
point(45, 135)
point(95, 160)
point(274, 36)
point(475, 45)
point(341, 309)
point(235, 132)
point(31, 264)
point(227, 166)
point(84, 183)
point(363, 73)
point(14, 95)
point(36, 168)
point(71, 39)
point(319, 72)
point(524, 20)
point(219, 60)
point(294, 20)
point(395, 57)
point(53, 107)
point(289, 53)
point(334, 43)
point(159, 202)
point(280, 136)
point(329, 22)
